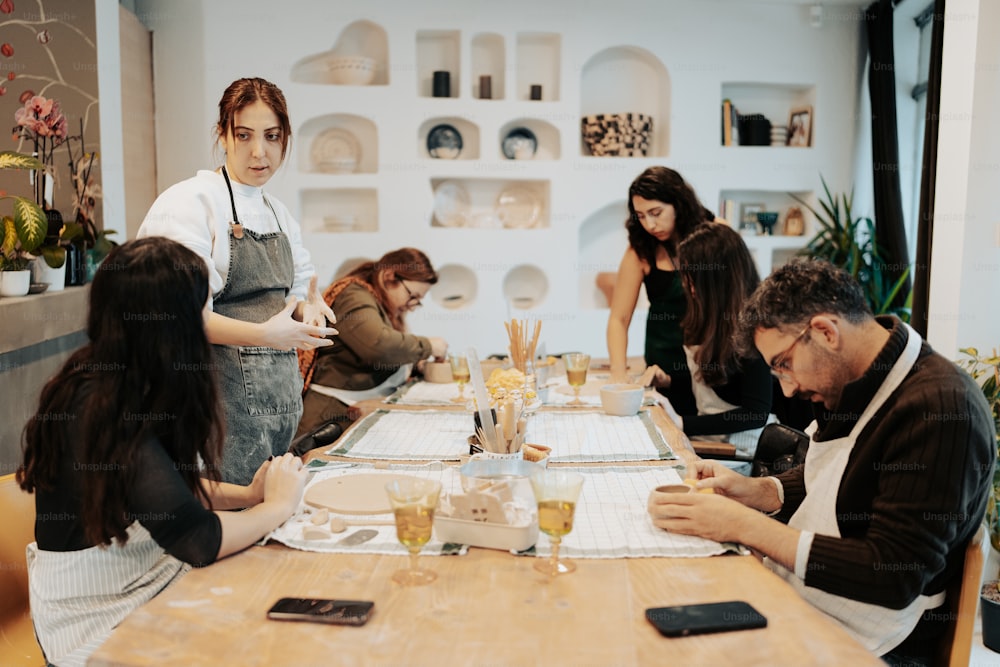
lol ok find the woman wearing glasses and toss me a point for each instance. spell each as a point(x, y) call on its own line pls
point(374, 353)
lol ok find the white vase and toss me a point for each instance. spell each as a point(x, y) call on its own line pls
point(41, 272)
point(14, 283)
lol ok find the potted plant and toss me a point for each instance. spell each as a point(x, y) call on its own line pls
point(23, 230)
point(986, 371)
point(849, 243)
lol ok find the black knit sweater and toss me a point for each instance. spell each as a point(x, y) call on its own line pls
point(915, 487)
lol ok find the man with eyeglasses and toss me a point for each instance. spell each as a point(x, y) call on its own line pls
point(873, 527)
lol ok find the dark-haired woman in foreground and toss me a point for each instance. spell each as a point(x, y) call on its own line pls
point(124, 454)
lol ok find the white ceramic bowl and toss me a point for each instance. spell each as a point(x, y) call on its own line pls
point(351, 70)
point(621, 400)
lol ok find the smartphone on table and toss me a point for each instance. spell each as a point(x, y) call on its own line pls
point(696, 619)
point(321, 610)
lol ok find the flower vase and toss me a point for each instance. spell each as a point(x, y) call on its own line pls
point(75, 269)
point(91, 262)
point(41, 272)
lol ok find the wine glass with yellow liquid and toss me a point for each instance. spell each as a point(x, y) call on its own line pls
point(413, 502)
point(556, 491)
point(460, 374)
point(577, 364)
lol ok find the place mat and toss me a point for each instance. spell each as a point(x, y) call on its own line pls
point(290, 533)
point(579, 436)
point(428, 393)
point(610, 521)
point(408, 435)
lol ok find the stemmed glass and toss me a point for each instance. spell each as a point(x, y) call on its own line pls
point(413, 502)
point(556, 490)
point(460, 373)
point(577, 364)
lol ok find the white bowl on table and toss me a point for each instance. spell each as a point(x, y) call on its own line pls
point(621, 400)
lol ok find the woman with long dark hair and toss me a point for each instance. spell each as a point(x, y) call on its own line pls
point(663, 210)
point(732, 393)
point(374, 353)
point(123, 455)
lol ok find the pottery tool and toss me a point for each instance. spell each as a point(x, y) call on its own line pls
point(488, 439)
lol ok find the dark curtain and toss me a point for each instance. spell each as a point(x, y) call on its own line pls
point(890, 233)
point(928, 178)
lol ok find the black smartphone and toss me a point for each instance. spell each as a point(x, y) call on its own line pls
point(319, 610)
point(696, 619)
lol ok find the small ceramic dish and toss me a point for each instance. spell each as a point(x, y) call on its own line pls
point(37, 288)
point(519, 144)
point(444, 142)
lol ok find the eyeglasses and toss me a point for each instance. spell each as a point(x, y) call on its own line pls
point(780, 366)
point(414, 300)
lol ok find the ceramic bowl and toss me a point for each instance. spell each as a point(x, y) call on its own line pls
point(617, 134)
point(437, 371)
point(351, 70)
point(621, 400)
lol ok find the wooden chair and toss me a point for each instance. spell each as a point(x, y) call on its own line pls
point(962, 603)
point(17, 635)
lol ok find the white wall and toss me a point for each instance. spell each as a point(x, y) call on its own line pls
point(200, 47)
point(965, 261)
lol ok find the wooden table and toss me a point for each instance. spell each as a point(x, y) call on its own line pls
point(486, 608)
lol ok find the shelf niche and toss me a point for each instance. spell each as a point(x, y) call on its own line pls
point(438, 50)
point(525, 287)
point(601, 242)
point(538, 64)
point(488, 59)
point(468, 130)
point(482, 203)
point(628, 79)
point(775, 101)
point(546, 134)
point(337, 210)
point(769, 251)
point(361, 129)
point(456, 287)
point(361, 38)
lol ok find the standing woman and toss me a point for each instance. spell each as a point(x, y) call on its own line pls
point(122, 456)
point(663, 210)
point(732, 393)
point(374, 353)
point(264, 301)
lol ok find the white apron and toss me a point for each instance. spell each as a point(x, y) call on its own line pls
point(879, 628)
point(348, 397)
point(709, 403)
point(78, 597)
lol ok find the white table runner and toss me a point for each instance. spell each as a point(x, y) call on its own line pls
point(610, 519)
point(439, 435)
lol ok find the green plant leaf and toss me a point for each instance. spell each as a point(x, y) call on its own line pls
point(31, 223)
point(54, 255)
point(8, 243)
point(15, 160)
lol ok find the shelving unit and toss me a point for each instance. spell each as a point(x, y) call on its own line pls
point(672, 69)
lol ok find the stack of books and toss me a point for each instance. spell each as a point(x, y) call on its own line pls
point(779, 135)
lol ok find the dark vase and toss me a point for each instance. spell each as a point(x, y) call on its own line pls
point(75, 269)
point(990, 610)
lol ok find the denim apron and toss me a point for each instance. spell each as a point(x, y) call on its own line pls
point(260, 387)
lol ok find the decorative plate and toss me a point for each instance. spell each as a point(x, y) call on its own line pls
point(335, 151)
point(444, 142)
point(451, 204)
point(519, 144)
point(518, 208)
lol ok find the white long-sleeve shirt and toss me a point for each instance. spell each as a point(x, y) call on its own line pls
point(196, 212)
